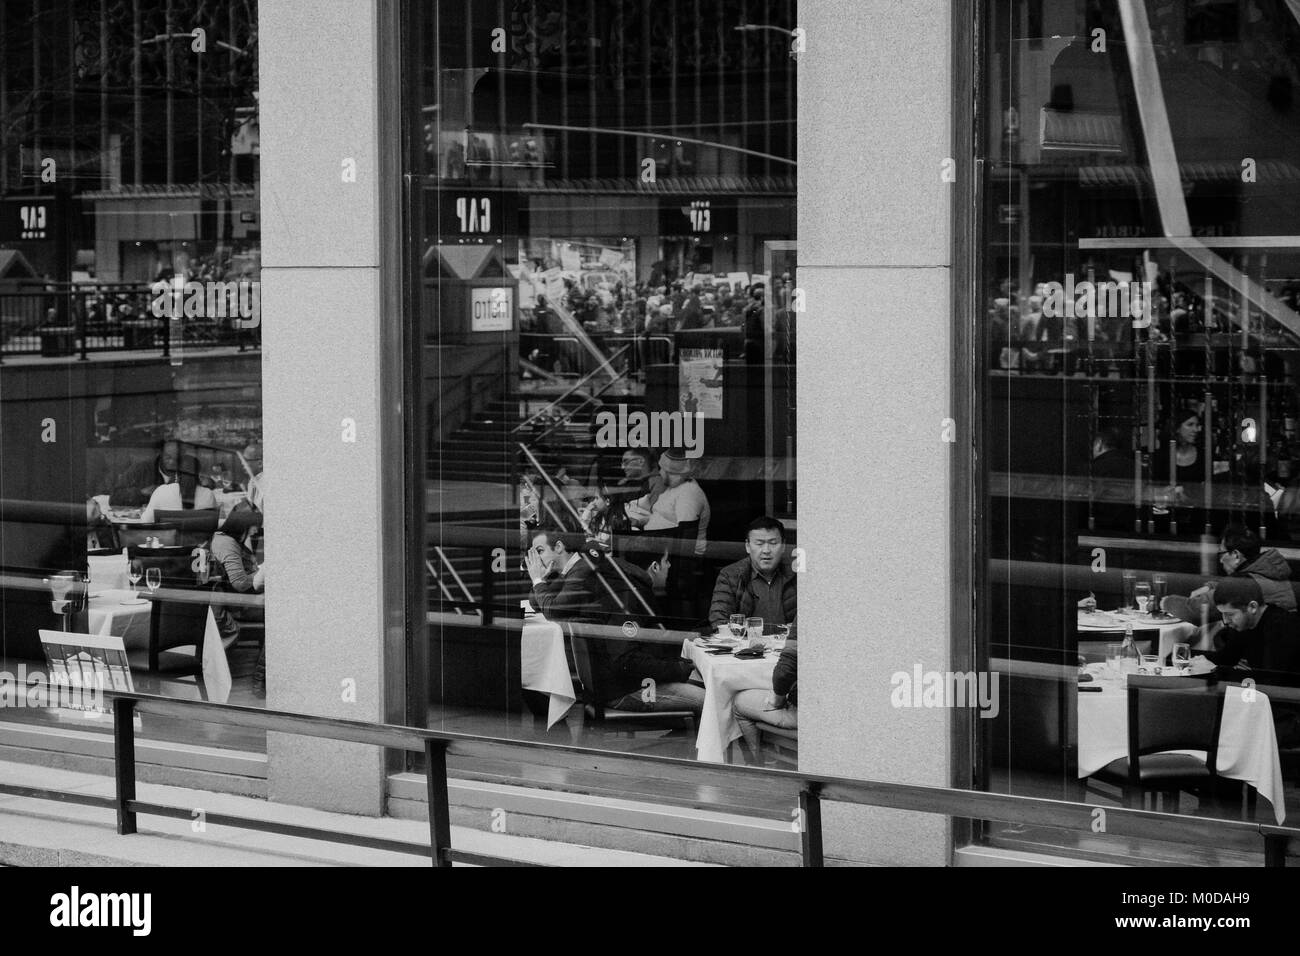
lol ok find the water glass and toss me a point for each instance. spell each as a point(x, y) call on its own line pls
point(1159, 589)
point(736, 624)
point(1182, 656)
point(1113, 668)
point(1130, 579)
point(1142, 595)
point(1150, 664)
point(153, 579)
point(754, 630)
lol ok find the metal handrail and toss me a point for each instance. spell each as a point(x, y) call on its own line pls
point(542, 471)
point(575, 387)
point(446, 592)
point(455, 576)
point(809, 789)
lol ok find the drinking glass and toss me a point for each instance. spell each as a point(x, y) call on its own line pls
point(1113, 660)
point(1182, 656)
point(1129, 578)
point(1142, 595)
point(135, 571)
point(1150, 664)
point(1159, 588)
point(153, 578)
point(754, 629)
point(782, 635)
point(736, 623)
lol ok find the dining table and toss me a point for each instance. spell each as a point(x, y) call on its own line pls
point(544, 666)
point(1248, 748)
point(121, 613)
point(724, 676)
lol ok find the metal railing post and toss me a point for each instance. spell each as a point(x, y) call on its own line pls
point(810, 831)
point(488, 592)
point(1275, 850)
point(435, 774)
point(79, 319)
point(124, 763)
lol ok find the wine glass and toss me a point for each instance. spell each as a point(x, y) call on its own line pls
point(153, 578)
point(135, 571)
point(736, 624)
point(1182, 657)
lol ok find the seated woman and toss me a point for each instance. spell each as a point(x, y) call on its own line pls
point(679, 511)
point(235, 564)
point(182, 494)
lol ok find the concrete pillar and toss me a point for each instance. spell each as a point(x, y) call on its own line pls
point(874, 384)
point(321, 287)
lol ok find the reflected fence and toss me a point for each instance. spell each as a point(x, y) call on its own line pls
point(57, 320)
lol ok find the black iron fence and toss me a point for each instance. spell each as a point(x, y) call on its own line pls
point(76, 320)
point(806, 792)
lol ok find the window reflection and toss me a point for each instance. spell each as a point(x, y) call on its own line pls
point(1141, 280)
point(606, 228)
point(130, 324)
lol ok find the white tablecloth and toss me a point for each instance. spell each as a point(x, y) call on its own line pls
point(544, 666)
point(108, 616)
point(1247, 740)
point(724, 678)
point(1171, 631)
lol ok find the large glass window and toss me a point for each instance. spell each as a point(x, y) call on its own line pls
point(603, 262)
point(1140, 278)
point(131, 492)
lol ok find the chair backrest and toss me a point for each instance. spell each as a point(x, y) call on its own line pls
point(586, 673)
point(176, 564)
point(179, 622)
point(1169, 713)
point(193, 527)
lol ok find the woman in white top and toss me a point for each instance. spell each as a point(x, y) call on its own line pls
point(182, 494)
point(681, 500)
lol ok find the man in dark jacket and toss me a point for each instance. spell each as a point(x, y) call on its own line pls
point(577, 581)
point(780, 707)
point(760, 584)
point(1258, 636)
point(1241, 555)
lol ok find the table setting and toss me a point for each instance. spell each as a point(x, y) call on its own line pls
point(741, 655)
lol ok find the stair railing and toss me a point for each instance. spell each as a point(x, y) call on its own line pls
point(572, 390)
point(578, 518)
point(433, 572)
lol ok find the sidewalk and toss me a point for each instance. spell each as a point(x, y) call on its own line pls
point(51, 833)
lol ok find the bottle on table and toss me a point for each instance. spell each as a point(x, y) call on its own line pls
point(1129, 658)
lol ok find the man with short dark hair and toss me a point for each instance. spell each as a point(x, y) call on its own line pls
point(1257, 634)
point(1241, 555)
point(761, 584)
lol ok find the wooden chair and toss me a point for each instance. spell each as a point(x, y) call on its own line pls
point(1166, 715)
point(784, 743)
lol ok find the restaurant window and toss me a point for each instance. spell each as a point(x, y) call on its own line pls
point(1138, 333)
point(131, 492)
point(603, 271)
